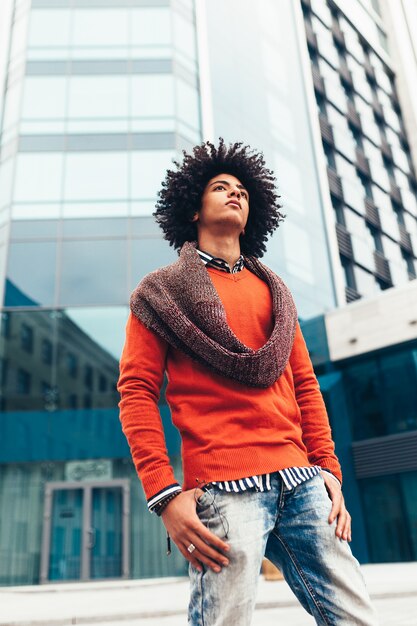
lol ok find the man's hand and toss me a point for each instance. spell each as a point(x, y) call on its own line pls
point(185, 528)
point(343, 529)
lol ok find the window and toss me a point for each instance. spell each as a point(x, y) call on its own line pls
point(88, 376)
point(26, 338)
point(23, 382)
point(46, 351)
point(72, 364)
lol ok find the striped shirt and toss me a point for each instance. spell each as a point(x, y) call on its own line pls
point(291, 476)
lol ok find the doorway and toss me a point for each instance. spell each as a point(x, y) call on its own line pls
point(85, 531)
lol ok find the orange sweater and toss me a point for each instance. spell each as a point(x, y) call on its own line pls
point(228, 430)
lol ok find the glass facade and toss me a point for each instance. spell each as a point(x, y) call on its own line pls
point(101, 96)
point(262, 101)
point(371, 400)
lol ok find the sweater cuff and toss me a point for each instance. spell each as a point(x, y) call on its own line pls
point(156, 499)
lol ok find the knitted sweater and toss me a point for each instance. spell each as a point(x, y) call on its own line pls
point(228, 430)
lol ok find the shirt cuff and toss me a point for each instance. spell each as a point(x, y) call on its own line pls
point(324, 469)
point(161, 495)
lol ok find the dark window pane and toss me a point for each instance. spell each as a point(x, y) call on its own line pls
point(46, 351)
point(88, 376)
point(23, 381)
point(26, 338)
point(72, 364)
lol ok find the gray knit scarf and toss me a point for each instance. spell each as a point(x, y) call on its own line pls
point(180, 303)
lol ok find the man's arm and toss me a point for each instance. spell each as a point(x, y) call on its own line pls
point(142, 367)
point(316, 431)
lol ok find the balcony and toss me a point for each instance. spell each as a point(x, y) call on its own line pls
point(338, 35)
point(362, 162)
point(395, 192)
point(344, 241)
point(372, 214)
point(326, 129)
point(345, 74)
point(405, 239)
point(382, 270)
point(353, 116)
point(318, 81)
point(369, 70)
point(386, 148)
point(378, 110)
point(311, 36)
point(351, 294)
point(335, 183)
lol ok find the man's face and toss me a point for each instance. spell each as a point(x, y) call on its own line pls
point(224, 204)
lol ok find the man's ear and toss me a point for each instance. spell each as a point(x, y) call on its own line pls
point(195, 217)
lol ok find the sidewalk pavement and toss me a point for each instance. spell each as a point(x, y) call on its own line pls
point(163, 601)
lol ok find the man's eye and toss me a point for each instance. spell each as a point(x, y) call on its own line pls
point(218, 187)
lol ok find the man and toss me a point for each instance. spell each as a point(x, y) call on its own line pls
point(260, 473)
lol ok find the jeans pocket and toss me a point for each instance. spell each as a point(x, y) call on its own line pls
point(205, 499)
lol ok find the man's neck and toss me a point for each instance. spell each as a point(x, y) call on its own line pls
point(227, 248)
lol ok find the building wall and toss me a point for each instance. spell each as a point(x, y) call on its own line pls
point(371, 174)
point(260, 97)
point(99, 97)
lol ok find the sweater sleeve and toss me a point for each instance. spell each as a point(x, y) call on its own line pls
point(317, 435)
point(142, 366)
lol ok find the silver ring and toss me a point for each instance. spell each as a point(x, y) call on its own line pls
point(191, 548)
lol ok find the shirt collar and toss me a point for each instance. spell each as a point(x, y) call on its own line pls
point(221, 264)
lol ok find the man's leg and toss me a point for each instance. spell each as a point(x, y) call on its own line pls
point(228, 598)
point(318, 566)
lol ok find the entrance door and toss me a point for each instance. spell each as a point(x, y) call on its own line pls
point(85, 531)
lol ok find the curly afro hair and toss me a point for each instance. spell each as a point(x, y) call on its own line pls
point(182, 190)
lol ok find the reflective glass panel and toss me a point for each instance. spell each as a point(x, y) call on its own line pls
point(96, 176)
point(152, 95)
point(100, 27)
point(93, 272)
point(44, 98)
point(98, 96)
point(31, 274)
point(38, 176)
point(49, 27)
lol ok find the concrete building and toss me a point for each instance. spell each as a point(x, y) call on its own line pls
point(96, 99)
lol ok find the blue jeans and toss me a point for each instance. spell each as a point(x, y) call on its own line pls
point(289, 527)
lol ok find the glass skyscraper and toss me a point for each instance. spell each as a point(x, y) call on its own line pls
point(97, 97)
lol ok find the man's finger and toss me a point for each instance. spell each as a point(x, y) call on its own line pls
point(336, 504)
point(208, 551)
point(210, 537)
point(341, 523)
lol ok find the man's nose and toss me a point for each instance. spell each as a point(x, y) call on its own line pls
point(235, 191)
